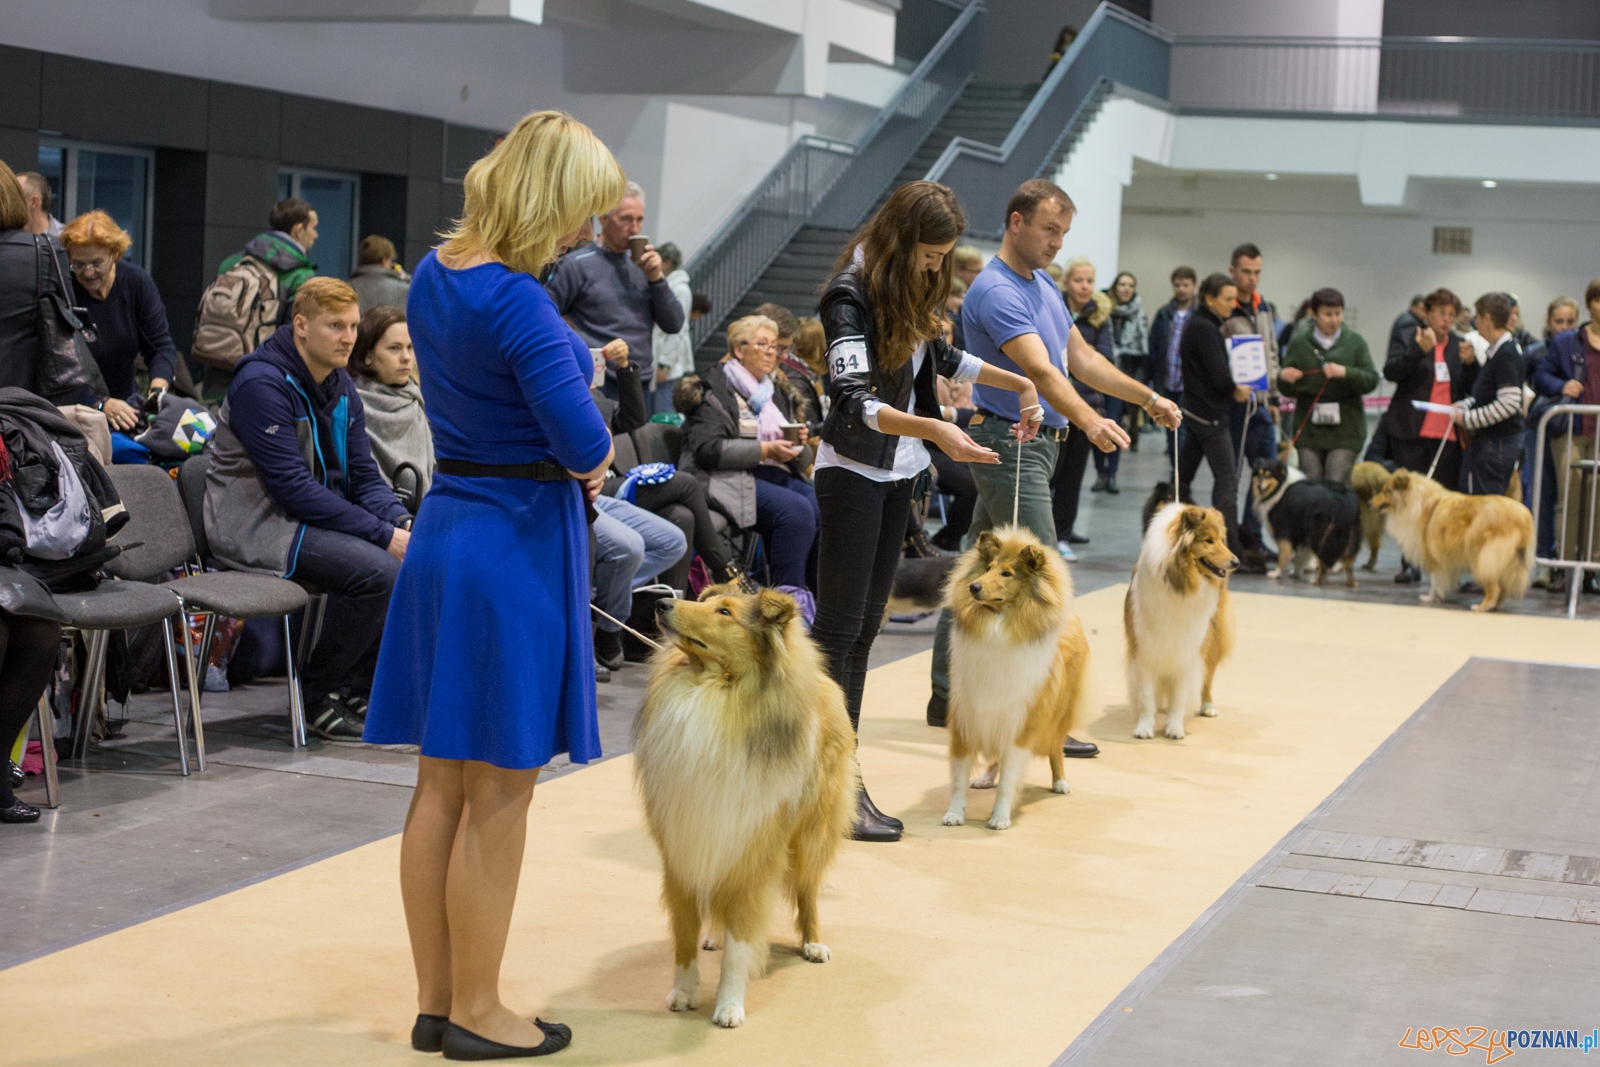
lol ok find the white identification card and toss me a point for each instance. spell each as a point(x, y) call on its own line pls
point(1441, 371)
point(1247, 355)
point(848, 356)
point(599, 378)
point(1326, 413)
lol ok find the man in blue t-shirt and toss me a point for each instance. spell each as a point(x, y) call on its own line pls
point(1015, 317)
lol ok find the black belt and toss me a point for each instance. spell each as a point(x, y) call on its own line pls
point(540, 471)
point(1046, 433)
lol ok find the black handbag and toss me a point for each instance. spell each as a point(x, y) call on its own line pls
point(65, 365)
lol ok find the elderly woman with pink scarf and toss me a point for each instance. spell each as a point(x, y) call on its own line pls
point(744, 436)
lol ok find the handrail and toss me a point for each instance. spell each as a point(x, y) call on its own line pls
point(809, 182)
point(1592, 466)
point(1114, 46)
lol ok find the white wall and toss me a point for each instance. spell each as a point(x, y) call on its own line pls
point(1270, 18)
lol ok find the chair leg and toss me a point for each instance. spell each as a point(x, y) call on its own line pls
point(311, 626)
point(297, 706)
point(92, 681)
point(47, 752)
point(177, 703)
point(195, 677)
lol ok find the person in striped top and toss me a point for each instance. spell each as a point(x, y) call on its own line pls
point(1492, 411)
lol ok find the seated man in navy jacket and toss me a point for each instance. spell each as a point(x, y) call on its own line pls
point(293, 491)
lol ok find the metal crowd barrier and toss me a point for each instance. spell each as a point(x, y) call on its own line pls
point(1565, 464)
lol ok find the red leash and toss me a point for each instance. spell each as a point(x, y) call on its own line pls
point(1307, 421)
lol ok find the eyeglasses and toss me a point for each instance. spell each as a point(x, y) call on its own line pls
point(86, 266)
point(765, 346)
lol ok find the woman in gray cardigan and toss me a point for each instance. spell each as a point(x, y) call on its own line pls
point(383, 364)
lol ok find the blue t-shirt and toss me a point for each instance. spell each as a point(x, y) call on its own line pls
point(505, 379)
point(1001, 305)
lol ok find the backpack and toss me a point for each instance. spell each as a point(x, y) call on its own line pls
point(238, 312)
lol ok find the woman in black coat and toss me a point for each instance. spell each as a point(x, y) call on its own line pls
point(1208, 396)
point(1425, 364)
point(31, 266)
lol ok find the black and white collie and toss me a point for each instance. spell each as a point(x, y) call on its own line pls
point(1306, 519)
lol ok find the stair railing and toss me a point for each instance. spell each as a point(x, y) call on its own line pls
point(1113, 47)
point(824, 182)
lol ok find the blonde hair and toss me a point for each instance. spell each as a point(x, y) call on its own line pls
point(1073, 264)
point(13, 204)
point(98, 230)
point(967, 257)
point(739, 330)
point(810, 344)
point(318, 295)
point(536, 185)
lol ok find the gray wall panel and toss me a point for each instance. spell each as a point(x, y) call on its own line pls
point(19, 87)
point(222, 242)
point(326, 133)
point(422, 210)
point(244, 121)
point(464, 146)
point(177, 247)
point(240, 191)
point(123, 105)
point(19, 148)
point(427, 149)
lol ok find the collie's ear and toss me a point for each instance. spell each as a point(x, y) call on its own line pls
point(1400, 479)
point(1194, 517)
point(775, 609)
point(1033, 558)
point(988, 546)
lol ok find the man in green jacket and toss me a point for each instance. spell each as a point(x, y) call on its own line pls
point(285, 248)
point(1327, 369)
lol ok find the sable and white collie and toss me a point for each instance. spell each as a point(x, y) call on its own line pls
point(746, 762)
point(1018, 661)
point(1446, 533)
point(1177, 616)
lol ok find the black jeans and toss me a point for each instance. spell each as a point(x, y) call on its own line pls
point(681, 500)
point(358, 577)
point(1489, 462)
point(863, 526)
point(1215, 444)
point(1416, 454)
point(28, 649)
point(1067, 482)
point(955, 480)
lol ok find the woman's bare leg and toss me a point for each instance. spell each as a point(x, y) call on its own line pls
point(480, 891)
point(431, 827)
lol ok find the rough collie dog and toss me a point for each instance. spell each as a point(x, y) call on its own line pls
point(1018, 661)
point(1448, 533)
point(1307, 519)
point(746, 762)
point(1177, 617)
point(1367, 479)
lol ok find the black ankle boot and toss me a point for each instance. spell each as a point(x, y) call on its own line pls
point(1111, 485)
point(1099, 485)
point(880, 816)
point(608, 648)
point(870, 826)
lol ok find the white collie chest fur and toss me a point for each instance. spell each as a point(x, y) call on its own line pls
point(707, 794)
point(1171, 625)
point(995, 679)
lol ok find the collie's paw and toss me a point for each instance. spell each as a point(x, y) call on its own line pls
point(1060, 786)
point(682, 1000)
point(1209, 710)
point(711, 944)
point(1478, 607)
point(816, 952)
point(1175, 729)
point(729, 1015)
point(954, 818)
point(1145, 729)
point(999, 822)
point(1428, 598)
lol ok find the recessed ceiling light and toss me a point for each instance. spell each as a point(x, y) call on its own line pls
point(1489, 183)
point(1272, 177)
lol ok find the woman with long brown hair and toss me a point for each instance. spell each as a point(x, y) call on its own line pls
point(881, 316)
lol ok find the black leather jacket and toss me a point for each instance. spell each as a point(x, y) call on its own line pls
point(854, 376)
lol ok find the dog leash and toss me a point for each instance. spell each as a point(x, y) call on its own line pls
point(1440, 452)
point(653, 644)
point(1309, 412)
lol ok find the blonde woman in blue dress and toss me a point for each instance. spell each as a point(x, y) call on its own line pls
point(487, 660)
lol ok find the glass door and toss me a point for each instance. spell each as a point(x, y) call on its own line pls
point(84, 177)
point(336, 199)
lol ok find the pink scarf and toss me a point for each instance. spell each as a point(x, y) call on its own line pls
point(769, 420)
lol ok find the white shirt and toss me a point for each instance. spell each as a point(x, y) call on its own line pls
point(1326, 341)
point(910, 457)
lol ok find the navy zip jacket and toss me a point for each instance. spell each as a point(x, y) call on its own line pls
point(290, 452)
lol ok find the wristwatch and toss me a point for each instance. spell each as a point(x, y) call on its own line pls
point(1148, 404)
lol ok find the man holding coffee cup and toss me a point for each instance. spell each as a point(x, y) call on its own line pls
point(615, 288)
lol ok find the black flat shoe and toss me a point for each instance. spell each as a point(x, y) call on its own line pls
point(17, 775)
point(1111, 485)
point(1080, 749)
point(462, 1044)
point(1076, 539)
point(19, 812)
point(428, 1033)
point(1408, 575)
point(888, 820)
point(938, 710)
point(870, 827)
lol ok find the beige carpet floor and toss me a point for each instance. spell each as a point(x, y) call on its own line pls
point(957, 946)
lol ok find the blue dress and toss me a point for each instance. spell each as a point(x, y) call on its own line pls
point(487, 652)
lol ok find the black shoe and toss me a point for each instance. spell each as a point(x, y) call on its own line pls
point(356, 706)
point(1408, 575)
point(1252, 561)
point(1099, 486)
point(462, 1044)
point(20, 812)
point(17, 775)
point(330, 720)
point(1080, 749)
point(608, 648)
point(428, 1033)
point(888, 820)
point(1076, 539)
point(869, 828)
point(938, 709)
point(601, 674)
point(1111, 485)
